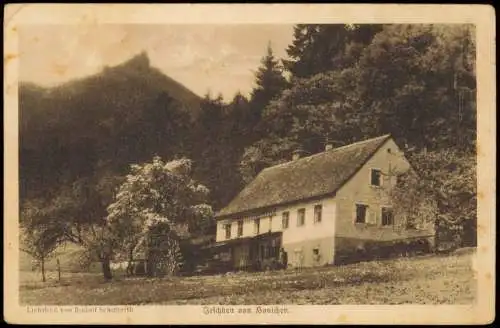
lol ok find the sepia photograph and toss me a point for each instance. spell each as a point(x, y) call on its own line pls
point(245, 168)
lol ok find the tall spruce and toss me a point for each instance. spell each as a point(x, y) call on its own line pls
point(270, 82)
point(239, 112)
point(215, 150)
point(325, 47)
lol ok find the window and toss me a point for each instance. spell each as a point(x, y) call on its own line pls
point(387, 216)
point(361, 213)
point(317, 213)
point(285, 220)
point(301, 217)
point(316, 256)
point(256, 226)
point(240, 228)
point(227, 227)
point(375, 178)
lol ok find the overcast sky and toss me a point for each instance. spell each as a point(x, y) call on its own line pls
point(221, 58)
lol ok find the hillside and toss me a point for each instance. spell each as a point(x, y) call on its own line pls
point(68, 255)
point(430, 279)
point(115, 90)
point(122, 115)
point(136, 72)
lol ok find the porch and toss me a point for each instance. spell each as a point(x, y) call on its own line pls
point(251, 253)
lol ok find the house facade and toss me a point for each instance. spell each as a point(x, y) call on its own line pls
point(317, 207)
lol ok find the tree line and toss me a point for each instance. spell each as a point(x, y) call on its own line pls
point(341, 83)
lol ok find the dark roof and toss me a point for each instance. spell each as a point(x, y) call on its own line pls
point(305, 178)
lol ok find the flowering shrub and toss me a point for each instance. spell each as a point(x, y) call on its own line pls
point(150, 209)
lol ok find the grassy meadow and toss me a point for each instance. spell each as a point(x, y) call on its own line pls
point(69, 256)
point(429, 279)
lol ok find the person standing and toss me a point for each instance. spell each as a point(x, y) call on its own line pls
point(283, 258)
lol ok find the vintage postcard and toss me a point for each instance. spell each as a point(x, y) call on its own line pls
point(249, 163)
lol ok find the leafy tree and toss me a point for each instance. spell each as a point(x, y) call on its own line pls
point(312, 110)
point(99, 244)
point(264, 153)
point(413, 81)
point(157, 193)
point(315, 108)
point(40, 233)
point(440, 191)
point(75, 214)
point(40, 245)
point(161, 247)
point(409, 87)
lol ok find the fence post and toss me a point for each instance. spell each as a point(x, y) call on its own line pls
point(58, 270)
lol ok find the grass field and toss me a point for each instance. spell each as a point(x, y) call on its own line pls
point(431, 279)
point(68, 254)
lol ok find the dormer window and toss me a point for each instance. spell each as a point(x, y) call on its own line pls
point(375, 177)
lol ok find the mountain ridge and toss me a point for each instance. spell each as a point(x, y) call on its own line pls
point(138, 63)
point(122, 115)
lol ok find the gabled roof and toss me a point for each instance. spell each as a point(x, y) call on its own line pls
point(309, 177)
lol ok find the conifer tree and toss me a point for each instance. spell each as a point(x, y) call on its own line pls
point(325, 47)
point(270, 82)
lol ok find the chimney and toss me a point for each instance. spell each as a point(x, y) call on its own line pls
point(297, 154)
point(328, 145)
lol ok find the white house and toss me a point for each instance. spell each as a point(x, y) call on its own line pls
point(317, 207)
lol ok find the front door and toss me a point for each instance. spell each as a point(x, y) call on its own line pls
point(241, 256)
point(265, 250)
